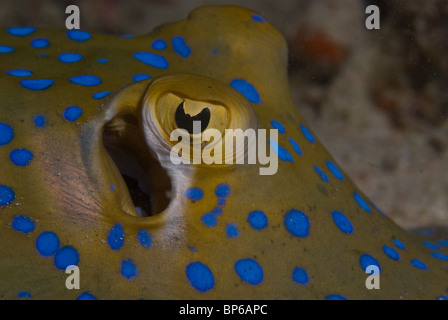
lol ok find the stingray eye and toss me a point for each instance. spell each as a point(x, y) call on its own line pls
point(185, 109)
point(186, 121)
point(175, 110)
point(140, 122)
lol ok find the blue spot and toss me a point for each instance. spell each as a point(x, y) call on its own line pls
point(214, 51)
point(86, 296)
point(69, 57)
point(193, 249)
point(78, 35)
point(232, 230)
point(399, 244)
point(295, 146)
point(444, 242)
point(249, 271)
point(127, 36)
point(65, 257)
point(6, 134)
point(115, 239)
point(159, 44)
point(140, 76)
point(307, 134)
point(40, 43)
point(247, 89)
point(217, 211)
point(210, 219)
point(222, 190)
point(391, 253)
point(6, 49)
point(257, 220)
point(101, 95)
point(194, 194)
point(418, 264)
point(440, 256)
point(221, 202)
point(23, 224)
point(277, 125)
point(181, 47)
point(335, 170)
point(300, 276)
point(335, 297)
point(128, 269)
point(112, 187)
point(21, 31)
point(21, 157)
point(367, 260)
point(361, 202)
point(24, 294)
point(431, 245)
point(6, 195)
point(282, 153)
point(72, 113)
point(152, 59)
point(342, 222)
point(36, 84)
point(102, 60)
point(200, 276)
point(43, 55)
point(86, 80)
point(258, 18)
point(320, 173)
point(20, 73)
point(442, 298)
point(297, 223)
point(47, 243)
point(144, 238)
point(39, 121)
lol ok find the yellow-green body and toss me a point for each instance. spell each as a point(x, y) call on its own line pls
point(66, 187)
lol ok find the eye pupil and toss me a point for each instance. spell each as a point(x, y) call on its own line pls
point(185, 121)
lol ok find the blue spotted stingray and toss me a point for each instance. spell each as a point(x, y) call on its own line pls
point(86, 178)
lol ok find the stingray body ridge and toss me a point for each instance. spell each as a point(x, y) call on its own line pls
point(86, 177)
